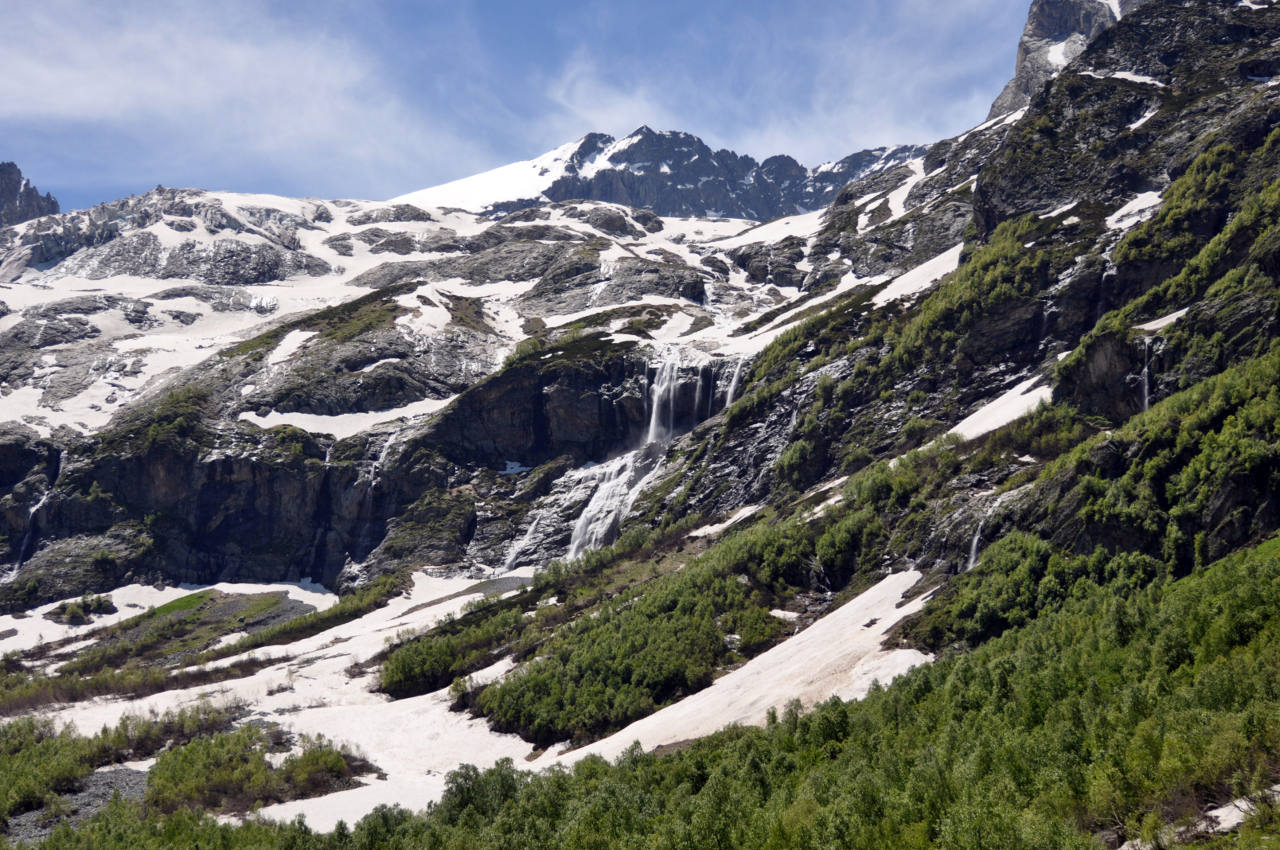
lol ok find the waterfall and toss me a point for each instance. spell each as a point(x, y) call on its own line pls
point(662, 398)
point(1146, 373)
point(519, 546)
point(973, 545)
point(733, 384)
point(982, 524)
point(24, 548)
point(609, 503)
point(697, 398)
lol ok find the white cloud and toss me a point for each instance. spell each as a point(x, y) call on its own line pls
point(581, 100)
point(221, 82)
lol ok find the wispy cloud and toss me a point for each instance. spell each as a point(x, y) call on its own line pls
point(385, 97)
point(189, 86)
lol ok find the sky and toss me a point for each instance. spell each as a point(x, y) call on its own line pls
point(376, 98)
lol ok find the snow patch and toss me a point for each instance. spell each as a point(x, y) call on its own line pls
point(1162, 322)
point(345, 425)
point(1135, 212)
point(921, 277)
point(720, 527)
point(289, 346)
point(1017, 402)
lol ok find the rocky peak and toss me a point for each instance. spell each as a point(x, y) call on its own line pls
point(669, 172)
point(1057, 31)
point(19, 200)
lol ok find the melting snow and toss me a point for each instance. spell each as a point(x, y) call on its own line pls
point(1150, 113)
point(289, 346)
point(1057, 54)
point(921, 277)
point(1014, 404)
point(1060, 210)
point(1162, 322)
point(345, 425)
point(1136, 211)
point(719, 527)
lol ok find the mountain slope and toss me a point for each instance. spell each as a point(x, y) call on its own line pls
point(670, 173)
point(1004, 414)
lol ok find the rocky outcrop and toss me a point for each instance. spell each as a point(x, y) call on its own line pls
point(19, 200)
point(677, 174)
point(1057, 31)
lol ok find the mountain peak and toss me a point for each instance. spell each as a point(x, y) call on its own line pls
point(1057, 31)
point(19, 200)
point(670, 172)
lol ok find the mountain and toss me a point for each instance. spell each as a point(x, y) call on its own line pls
point(1057, 31)
point(19, 200)
point(945, 516)
point(669, 173)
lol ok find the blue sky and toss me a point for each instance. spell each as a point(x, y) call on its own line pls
point(381, 97)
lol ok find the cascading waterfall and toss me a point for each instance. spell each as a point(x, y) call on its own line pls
point(519, 546)
point(1146, 373)
point(982, 524)
point(733, 384)
point(616, 484)
point(697, 398)
point(662, 398)
point(622, 479)
point(24, 549)
point(973, 545)
point(609, 503)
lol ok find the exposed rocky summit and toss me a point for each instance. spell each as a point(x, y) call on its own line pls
point(668, 173)
point(1057, 32)
point(19, 200)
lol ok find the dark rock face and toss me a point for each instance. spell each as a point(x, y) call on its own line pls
point(1057, 31)
point(677, 174)
point(19, 200)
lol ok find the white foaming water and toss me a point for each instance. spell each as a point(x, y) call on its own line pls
point(614, 495)
point(733, 383)
point(662, 398)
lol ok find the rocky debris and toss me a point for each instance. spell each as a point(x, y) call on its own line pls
point(19, 200)
point(771, 263)
point(1093, 106)
point(96, 792)
point(221, 299)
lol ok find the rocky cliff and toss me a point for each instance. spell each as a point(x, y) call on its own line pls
point(668, 173)
point(1057, 31)
point(19, 200)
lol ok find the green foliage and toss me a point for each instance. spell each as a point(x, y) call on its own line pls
point(997, 273)
point(350, 607)
point(39, 762)
point(230, 772)
point(1119, 710)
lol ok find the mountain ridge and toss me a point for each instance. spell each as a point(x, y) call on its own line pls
point(19, 200)
point(671, 173)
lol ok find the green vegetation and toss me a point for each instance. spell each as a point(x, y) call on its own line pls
point(81, 611)
point(136, 656)
point(1122, 710)
point(39, 762)
point(229, 771)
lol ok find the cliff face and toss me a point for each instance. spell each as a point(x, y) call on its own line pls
point(1057, 32)
point(19, 200)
